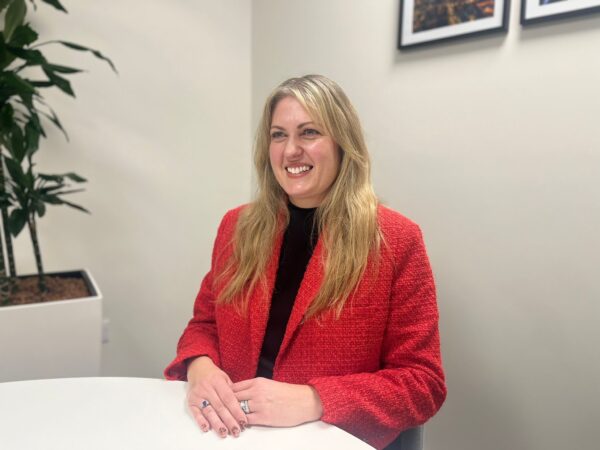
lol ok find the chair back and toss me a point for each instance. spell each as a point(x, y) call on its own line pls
point(411, 439)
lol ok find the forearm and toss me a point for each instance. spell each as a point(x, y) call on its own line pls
point(380, 404)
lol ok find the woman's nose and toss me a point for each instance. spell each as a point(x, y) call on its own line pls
point(292, 148)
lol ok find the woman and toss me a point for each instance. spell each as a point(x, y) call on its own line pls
point(320, 303)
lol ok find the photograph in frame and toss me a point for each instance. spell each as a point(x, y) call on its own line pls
point(534, 11)
point(428, 21)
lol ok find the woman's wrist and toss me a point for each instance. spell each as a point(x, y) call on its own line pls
point(315, 408)
point(197, 365)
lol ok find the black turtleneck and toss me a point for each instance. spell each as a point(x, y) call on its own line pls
point(299, 240)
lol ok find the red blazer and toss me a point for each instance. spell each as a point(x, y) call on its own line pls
point(377, 368)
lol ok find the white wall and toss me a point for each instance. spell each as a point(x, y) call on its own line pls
point(492, 145)
point(166, 148)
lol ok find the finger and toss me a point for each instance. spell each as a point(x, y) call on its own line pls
point(245, 394)
point(214, 420)
point(228, 411)
point(243, 385)
point(232, 402)
point(255, 418)
point(200, 420)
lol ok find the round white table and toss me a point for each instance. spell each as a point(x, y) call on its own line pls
point(131, 414)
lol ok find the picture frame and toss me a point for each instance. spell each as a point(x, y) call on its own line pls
point(424, 22)
point(535, 11)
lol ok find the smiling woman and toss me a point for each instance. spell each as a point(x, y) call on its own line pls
point(320, 303)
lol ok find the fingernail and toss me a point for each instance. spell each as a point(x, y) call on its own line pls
point(223, 432)
point(235, 431)
point(243, 425)
point(204, 428)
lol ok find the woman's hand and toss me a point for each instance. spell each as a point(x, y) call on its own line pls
point(278, 404)
point(206, 382)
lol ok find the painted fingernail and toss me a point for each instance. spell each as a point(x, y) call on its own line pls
point(243, 425)
point(236, 431)
point(223, 431)
point(204, 428)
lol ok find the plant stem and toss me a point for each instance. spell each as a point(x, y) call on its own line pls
point(4, 282)
point(37, 253)
point(9, 247)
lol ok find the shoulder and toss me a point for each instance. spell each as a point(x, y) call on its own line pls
point(401, 237)
point(394, 225)
point(233, 214)
point(229, 221)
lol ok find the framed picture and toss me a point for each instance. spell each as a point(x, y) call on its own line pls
point(426, 21)
point(533, 11)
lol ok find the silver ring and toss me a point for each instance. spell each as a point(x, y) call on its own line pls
point(204, 404)
point(244, 406)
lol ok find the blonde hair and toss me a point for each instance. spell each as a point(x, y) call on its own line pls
point(346, 219)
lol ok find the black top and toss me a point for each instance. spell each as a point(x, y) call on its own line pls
point(296, 249)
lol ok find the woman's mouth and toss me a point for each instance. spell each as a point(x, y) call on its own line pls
point(296, 170)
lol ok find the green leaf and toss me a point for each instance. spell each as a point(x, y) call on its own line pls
point(96, 53)
point(4, 4)
point(74, 177)
point(16, 221)
point(46, 191)
point(54, 119)
point(63, 69)
point(69, 191)
point(42, 84)
point(58, 178)
point(15, 171)
point(48, 177)
point(18, 84)
point(52, 199)
point(33, 57)
point(62, 83)
point(56, 4)
point(75, 206)
point(32, 137)
point(17, 144)
point(6, 116)
point(40, 208)
point(15, 14)
point(29, 179)
point(23, 36)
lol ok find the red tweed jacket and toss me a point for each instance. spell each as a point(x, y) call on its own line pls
point(377, 368)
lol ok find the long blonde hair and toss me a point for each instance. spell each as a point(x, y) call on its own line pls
point(346, 219)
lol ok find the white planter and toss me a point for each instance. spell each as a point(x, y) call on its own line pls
point(53, 339)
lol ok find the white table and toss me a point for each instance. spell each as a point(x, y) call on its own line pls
point(131, 414)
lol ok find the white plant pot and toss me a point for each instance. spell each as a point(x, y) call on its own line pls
point(54, 339)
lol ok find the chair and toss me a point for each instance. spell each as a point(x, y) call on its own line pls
point(411, 439)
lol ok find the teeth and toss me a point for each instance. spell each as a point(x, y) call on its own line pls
point(297, 170)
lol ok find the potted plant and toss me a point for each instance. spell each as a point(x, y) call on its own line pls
point(50, 324)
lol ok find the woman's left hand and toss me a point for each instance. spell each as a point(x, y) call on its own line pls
point(278, 404)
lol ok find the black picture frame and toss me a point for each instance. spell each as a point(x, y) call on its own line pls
point(534, 11)
point(435, 26)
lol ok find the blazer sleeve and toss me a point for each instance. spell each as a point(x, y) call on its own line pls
point(200, 336)
point(409, 388)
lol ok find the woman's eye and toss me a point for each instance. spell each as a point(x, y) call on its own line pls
point(310, 132)
point(277, 135)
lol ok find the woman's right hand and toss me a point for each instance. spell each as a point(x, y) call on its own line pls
point(207, 382)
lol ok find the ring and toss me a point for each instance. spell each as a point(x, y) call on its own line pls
point(204, 404)
point(244, 406)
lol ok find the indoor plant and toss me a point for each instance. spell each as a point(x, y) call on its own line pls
point(25, 192)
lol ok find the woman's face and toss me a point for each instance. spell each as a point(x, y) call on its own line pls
point(304, 160)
